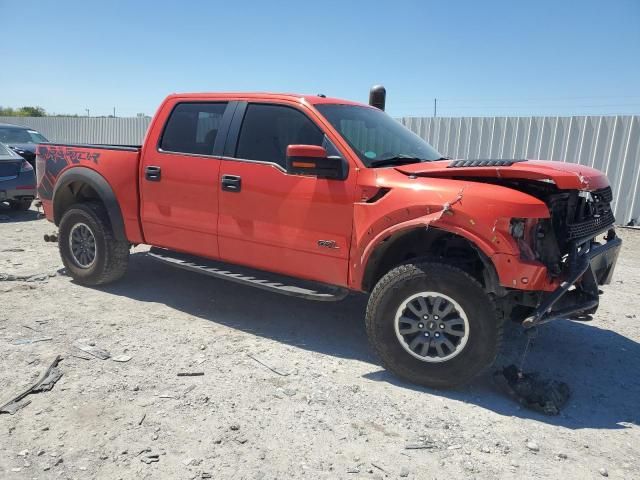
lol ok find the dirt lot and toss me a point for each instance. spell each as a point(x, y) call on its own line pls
point(327, 411)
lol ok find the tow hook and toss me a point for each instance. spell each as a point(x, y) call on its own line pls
point(53, 238)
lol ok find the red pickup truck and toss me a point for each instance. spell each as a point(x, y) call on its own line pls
point(316, 197)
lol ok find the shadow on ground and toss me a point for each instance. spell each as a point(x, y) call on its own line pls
point(8, 215)
point(599, 365)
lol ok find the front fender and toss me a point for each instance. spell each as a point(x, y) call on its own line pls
point(469, 212)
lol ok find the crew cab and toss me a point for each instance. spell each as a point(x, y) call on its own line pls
point(317, 197)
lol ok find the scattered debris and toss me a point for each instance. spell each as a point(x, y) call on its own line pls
point(234, 427)
point(44, 384)
point(353, 470)
point(190, 374)
point(544, 396)
point(421, 445)
point(83, 357)
point(27, 341)
point(38, 277)
point(533, 446)
point(92, 350)
point(188, 389)
point(121, 358)
point(142, 419)
point(150, 458)
point(277, 372)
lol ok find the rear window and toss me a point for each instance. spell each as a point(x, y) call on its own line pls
point(193, 128)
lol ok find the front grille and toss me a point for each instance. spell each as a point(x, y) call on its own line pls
point(603, 195)
point(591, 227)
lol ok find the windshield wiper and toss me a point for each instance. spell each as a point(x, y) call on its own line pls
point(396, 160)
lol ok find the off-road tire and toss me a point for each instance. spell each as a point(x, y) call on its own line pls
point(485, 329)
point(21, 205)
point(112, 256)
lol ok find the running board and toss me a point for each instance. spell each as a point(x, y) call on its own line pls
point(248, 276)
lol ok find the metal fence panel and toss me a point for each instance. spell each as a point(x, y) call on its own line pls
point(125, 131)
point(608, 143)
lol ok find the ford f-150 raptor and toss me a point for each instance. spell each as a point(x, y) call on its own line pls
point(315, 197)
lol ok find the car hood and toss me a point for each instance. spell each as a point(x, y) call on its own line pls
point(566, 176)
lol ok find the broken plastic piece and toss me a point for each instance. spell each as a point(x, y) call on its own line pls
point(46, 383)
point(544, 396)
point(92, 350)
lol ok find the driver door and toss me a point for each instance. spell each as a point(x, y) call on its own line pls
point(270, 220)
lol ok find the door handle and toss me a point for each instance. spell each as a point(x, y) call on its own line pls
point(152, 173)
point(231, 183)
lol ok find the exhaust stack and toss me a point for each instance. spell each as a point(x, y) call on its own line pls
point(377, 96)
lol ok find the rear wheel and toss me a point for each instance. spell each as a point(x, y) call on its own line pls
point(433, 324)
point(88, 248)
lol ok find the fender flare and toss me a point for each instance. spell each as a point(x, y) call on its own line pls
point(102, 188)
point(377, 245)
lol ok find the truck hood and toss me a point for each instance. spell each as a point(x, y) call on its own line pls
point(566, 176)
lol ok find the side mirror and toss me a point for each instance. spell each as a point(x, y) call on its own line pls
point(313, 160)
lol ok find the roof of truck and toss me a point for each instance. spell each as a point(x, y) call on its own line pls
point(311, 99)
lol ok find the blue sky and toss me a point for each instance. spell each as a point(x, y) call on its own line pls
point(477, 57)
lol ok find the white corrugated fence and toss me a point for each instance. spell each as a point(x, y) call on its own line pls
point(123, 131)
point(608, 143)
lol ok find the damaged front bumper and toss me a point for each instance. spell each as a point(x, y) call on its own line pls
point(590, 264)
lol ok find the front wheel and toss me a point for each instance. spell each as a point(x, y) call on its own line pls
point(88, 248)
point(432, 324)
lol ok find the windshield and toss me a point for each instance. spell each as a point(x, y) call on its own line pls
point(378, 139)
point(20, 135)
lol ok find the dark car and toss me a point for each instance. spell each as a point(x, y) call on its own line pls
point(17, 179)
point(22, 140)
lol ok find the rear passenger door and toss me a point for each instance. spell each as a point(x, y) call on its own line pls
point(179, 178)
point(270, 220)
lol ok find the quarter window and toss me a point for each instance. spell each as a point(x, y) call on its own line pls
point(267, 130)
point(193, 128)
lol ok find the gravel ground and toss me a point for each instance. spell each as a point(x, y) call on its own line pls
point(326, 410)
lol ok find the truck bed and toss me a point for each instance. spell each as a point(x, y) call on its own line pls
point(116, 164)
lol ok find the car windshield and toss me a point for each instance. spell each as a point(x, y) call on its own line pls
point(20, 135)
point(378, 139)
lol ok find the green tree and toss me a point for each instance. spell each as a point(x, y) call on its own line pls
point(25, 111)
point(32, 112)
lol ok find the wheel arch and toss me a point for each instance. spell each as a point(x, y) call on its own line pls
point(430, 242)
point(84, 184)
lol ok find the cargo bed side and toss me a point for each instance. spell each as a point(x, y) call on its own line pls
point(108, 173)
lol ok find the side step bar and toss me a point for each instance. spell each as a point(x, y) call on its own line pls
point(255, 278)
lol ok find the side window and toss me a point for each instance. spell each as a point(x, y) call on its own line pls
point(193, 128)
point(267, 130)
